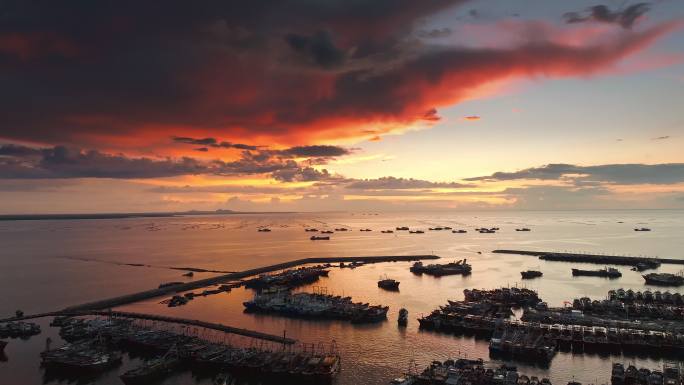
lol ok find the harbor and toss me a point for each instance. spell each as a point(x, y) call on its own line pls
point(377, 352)
point(96, 344)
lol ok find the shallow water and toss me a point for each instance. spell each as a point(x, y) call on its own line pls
point(47, 265)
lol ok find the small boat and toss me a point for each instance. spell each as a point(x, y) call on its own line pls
point(312, 230)
point(365, 230)
point(319, 238)
point(460, 231)
point(529, 274)
point(341, 229)
point(608, 272)
point(403, 317)
point(388, 284)
point(402, 228)
point(416, 232)
point(327, 232)
point(642, 229)
point(189, 274)
point(523, 229)
point(264, 230)
point(387, 231)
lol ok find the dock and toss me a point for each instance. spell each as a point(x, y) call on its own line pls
point(592, 258)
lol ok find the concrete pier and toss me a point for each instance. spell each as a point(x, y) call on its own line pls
point(148, 294)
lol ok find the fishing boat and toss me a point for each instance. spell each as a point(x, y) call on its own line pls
point(388, 284)
point(152, 370)
point(319, 238)
point(529, 274)
point(664, 279)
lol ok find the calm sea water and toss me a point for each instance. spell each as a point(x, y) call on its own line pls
point(47, 265)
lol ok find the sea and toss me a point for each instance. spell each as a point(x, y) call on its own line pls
point(47, 265)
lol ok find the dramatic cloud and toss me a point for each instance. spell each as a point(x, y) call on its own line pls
point(18, 162)
point(286, 72)
point(392, 183)
point(602, 13)
point(667, 173)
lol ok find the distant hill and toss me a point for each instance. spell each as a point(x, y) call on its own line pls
point(29, 217)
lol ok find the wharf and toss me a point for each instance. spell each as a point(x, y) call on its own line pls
point(591, 258)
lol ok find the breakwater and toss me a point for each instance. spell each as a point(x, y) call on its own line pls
point(162, 291)
point(592, 258)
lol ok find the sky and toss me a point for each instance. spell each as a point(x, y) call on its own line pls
point(371, 105)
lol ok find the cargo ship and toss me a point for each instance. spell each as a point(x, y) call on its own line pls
point(608, 272)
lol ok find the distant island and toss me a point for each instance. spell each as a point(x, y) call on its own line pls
point(30, 217)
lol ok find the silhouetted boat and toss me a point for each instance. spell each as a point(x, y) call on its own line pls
point(664, 279)
point(388, 284)
point(608, 272)
point(319, 238)
point(529, 274)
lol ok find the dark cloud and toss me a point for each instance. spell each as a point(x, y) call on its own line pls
point(434, 33)
point(317, 48)
point(661, 137)
point(317, 151)
point(65, 162)
point(392, 183)
point(306, 174)
point(15, 150)
point(625, 17)
point(665, 173)
point(211, 142)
